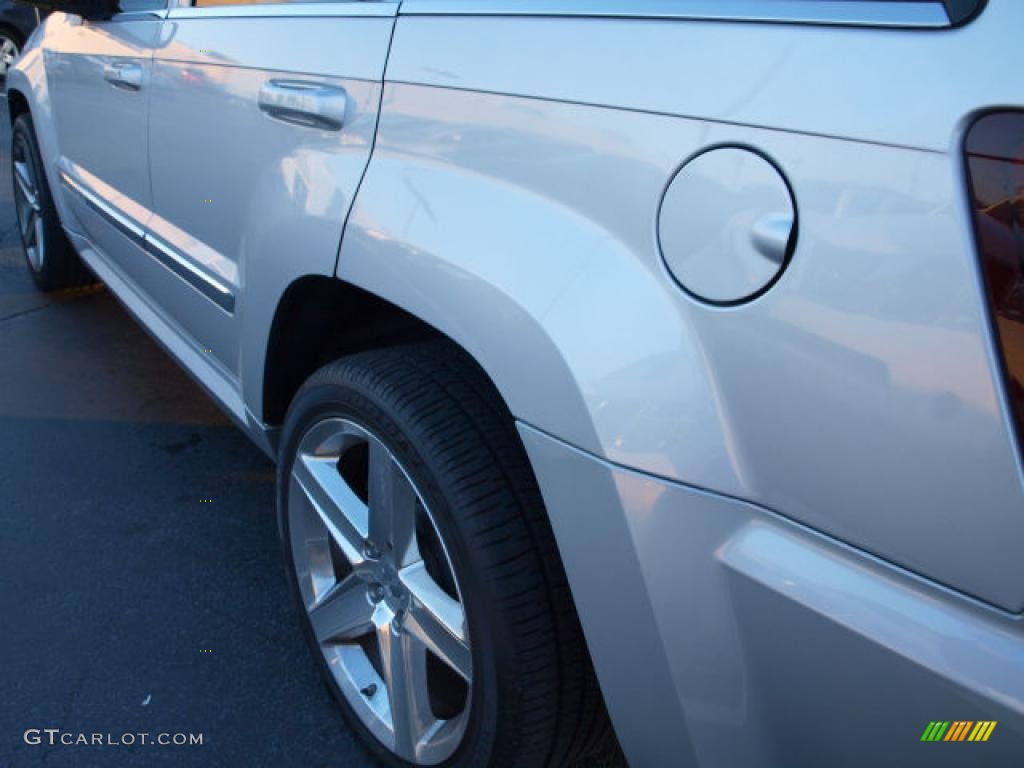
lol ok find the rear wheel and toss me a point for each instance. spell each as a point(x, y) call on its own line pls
point(51, 258)
point(420, 552)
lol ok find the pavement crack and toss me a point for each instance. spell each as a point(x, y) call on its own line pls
point(64, 297)
point(24, 312)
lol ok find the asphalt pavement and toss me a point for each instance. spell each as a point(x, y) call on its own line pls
point(141, 585)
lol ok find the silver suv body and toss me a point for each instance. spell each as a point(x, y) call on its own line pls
point(723, 264)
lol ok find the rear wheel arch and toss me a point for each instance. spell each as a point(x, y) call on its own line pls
point(320, 319)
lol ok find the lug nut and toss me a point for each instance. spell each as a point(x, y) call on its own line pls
point(376, 593)
point(370, 552)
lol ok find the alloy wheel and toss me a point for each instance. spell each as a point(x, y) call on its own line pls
point(28, 207)
point(380, 592)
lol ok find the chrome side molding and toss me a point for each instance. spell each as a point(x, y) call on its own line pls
point(288, 10)
point(125, 225)
point(210, 287)
point(867, 13)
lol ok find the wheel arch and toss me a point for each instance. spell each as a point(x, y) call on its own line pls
point(13, 31)
point(28, 93)
point(319, 319)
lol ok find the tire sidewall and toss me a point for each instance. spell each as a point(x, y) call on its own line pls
point(327, 400)
point(47, 275)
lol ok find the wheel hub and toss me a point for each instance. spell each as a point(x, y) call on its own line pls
point(384, 586)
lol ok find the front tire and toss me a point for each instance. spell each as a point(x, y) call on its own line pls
point(50, 257)
point(406, 498)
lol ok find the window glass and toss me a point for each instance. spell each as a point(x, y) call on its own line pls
point(212, 3)
point(140, 6)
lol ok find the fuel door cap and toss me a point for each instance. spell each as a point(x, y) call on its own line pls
point(727, 225)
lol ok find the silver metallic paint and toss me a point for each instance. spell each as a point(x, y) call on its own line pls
point(279, 193)
point(167, 255)
point(841, 397)
point(831, 81)
point(755, 641)
point(78, 55)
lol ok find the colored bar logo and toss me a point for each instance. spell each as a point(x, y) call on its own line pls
point(958, 730)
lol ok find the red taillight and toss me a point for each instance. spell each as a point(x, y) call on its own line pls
point(995, 170)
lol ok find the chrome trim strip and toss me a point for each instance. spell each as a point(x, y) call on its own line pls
point(204, 368)
point(212, 289)
point(285, 10)
point(123, 223)
point(872, 13)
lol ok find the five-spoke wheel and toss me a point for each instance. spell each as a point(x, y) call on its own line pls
point(52, 260)
point(431, 589)
point(28, 209)
point(379, 590)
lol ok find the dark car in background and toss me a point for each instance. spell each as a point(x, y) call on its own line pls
point(16, 24)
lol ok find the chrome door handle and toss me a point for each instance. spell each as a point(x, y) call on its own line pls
point(123, 75)
point(314, 105)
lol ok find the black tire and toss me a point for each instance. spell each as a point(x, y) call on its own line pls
point(536, 701)
point(60, 267)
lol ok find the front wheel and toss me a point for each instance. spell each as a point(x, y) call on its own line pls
point(51, 258)
point(431, 590)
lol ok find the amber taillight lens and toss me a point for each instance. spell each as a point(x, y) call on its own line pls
point(995, 170)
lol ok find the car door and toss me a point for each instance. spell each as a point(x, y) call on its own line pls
point(98, 73)
point(261, 125)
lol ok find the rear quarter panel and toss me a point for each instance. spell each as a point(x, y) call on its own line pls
point(512, 202)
